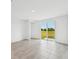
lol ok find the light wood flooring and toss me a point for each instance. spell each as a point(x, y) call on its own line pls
point(38, 49)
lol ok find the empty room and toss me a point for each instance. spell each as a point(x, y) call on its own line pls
point(39, 29)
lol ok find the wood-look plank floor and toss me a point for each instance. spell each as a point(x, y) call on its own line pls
point(38, 49)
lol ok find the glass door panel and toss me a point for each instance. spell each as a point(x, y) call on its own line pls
point(43, 31)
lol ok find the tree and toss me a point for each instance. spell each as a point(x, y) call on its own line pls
point(44, 29)
point(41, 29)
point(51, 29)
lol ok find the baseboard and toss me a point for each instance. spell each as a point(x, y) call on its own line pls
point(35, 38)
point(62, 43)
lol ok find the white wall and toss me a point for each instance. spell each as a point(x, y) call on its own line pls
point(25, 29)
point(19, 29)
point(35, 30)
point(61, 29)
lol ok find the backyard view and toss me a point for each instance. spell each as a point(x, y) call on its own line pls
point(48, 29)
point(50, 33)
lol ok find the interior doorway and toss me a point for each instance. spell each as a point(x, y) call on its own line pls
point(48, 30)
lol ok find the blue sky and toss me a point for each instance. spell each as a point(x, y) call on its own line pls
point(48, 23)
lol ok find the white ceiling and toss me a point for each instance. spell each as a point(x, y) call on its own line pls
point(38, 9)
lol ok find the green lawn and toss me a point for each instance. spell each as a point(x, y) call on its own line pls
point(51, 34)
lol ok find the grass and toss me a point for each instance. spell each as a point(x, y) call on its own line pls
point(51, 34)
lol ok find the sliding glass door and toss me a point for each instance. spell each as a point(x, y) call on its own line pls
point(48, 30)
